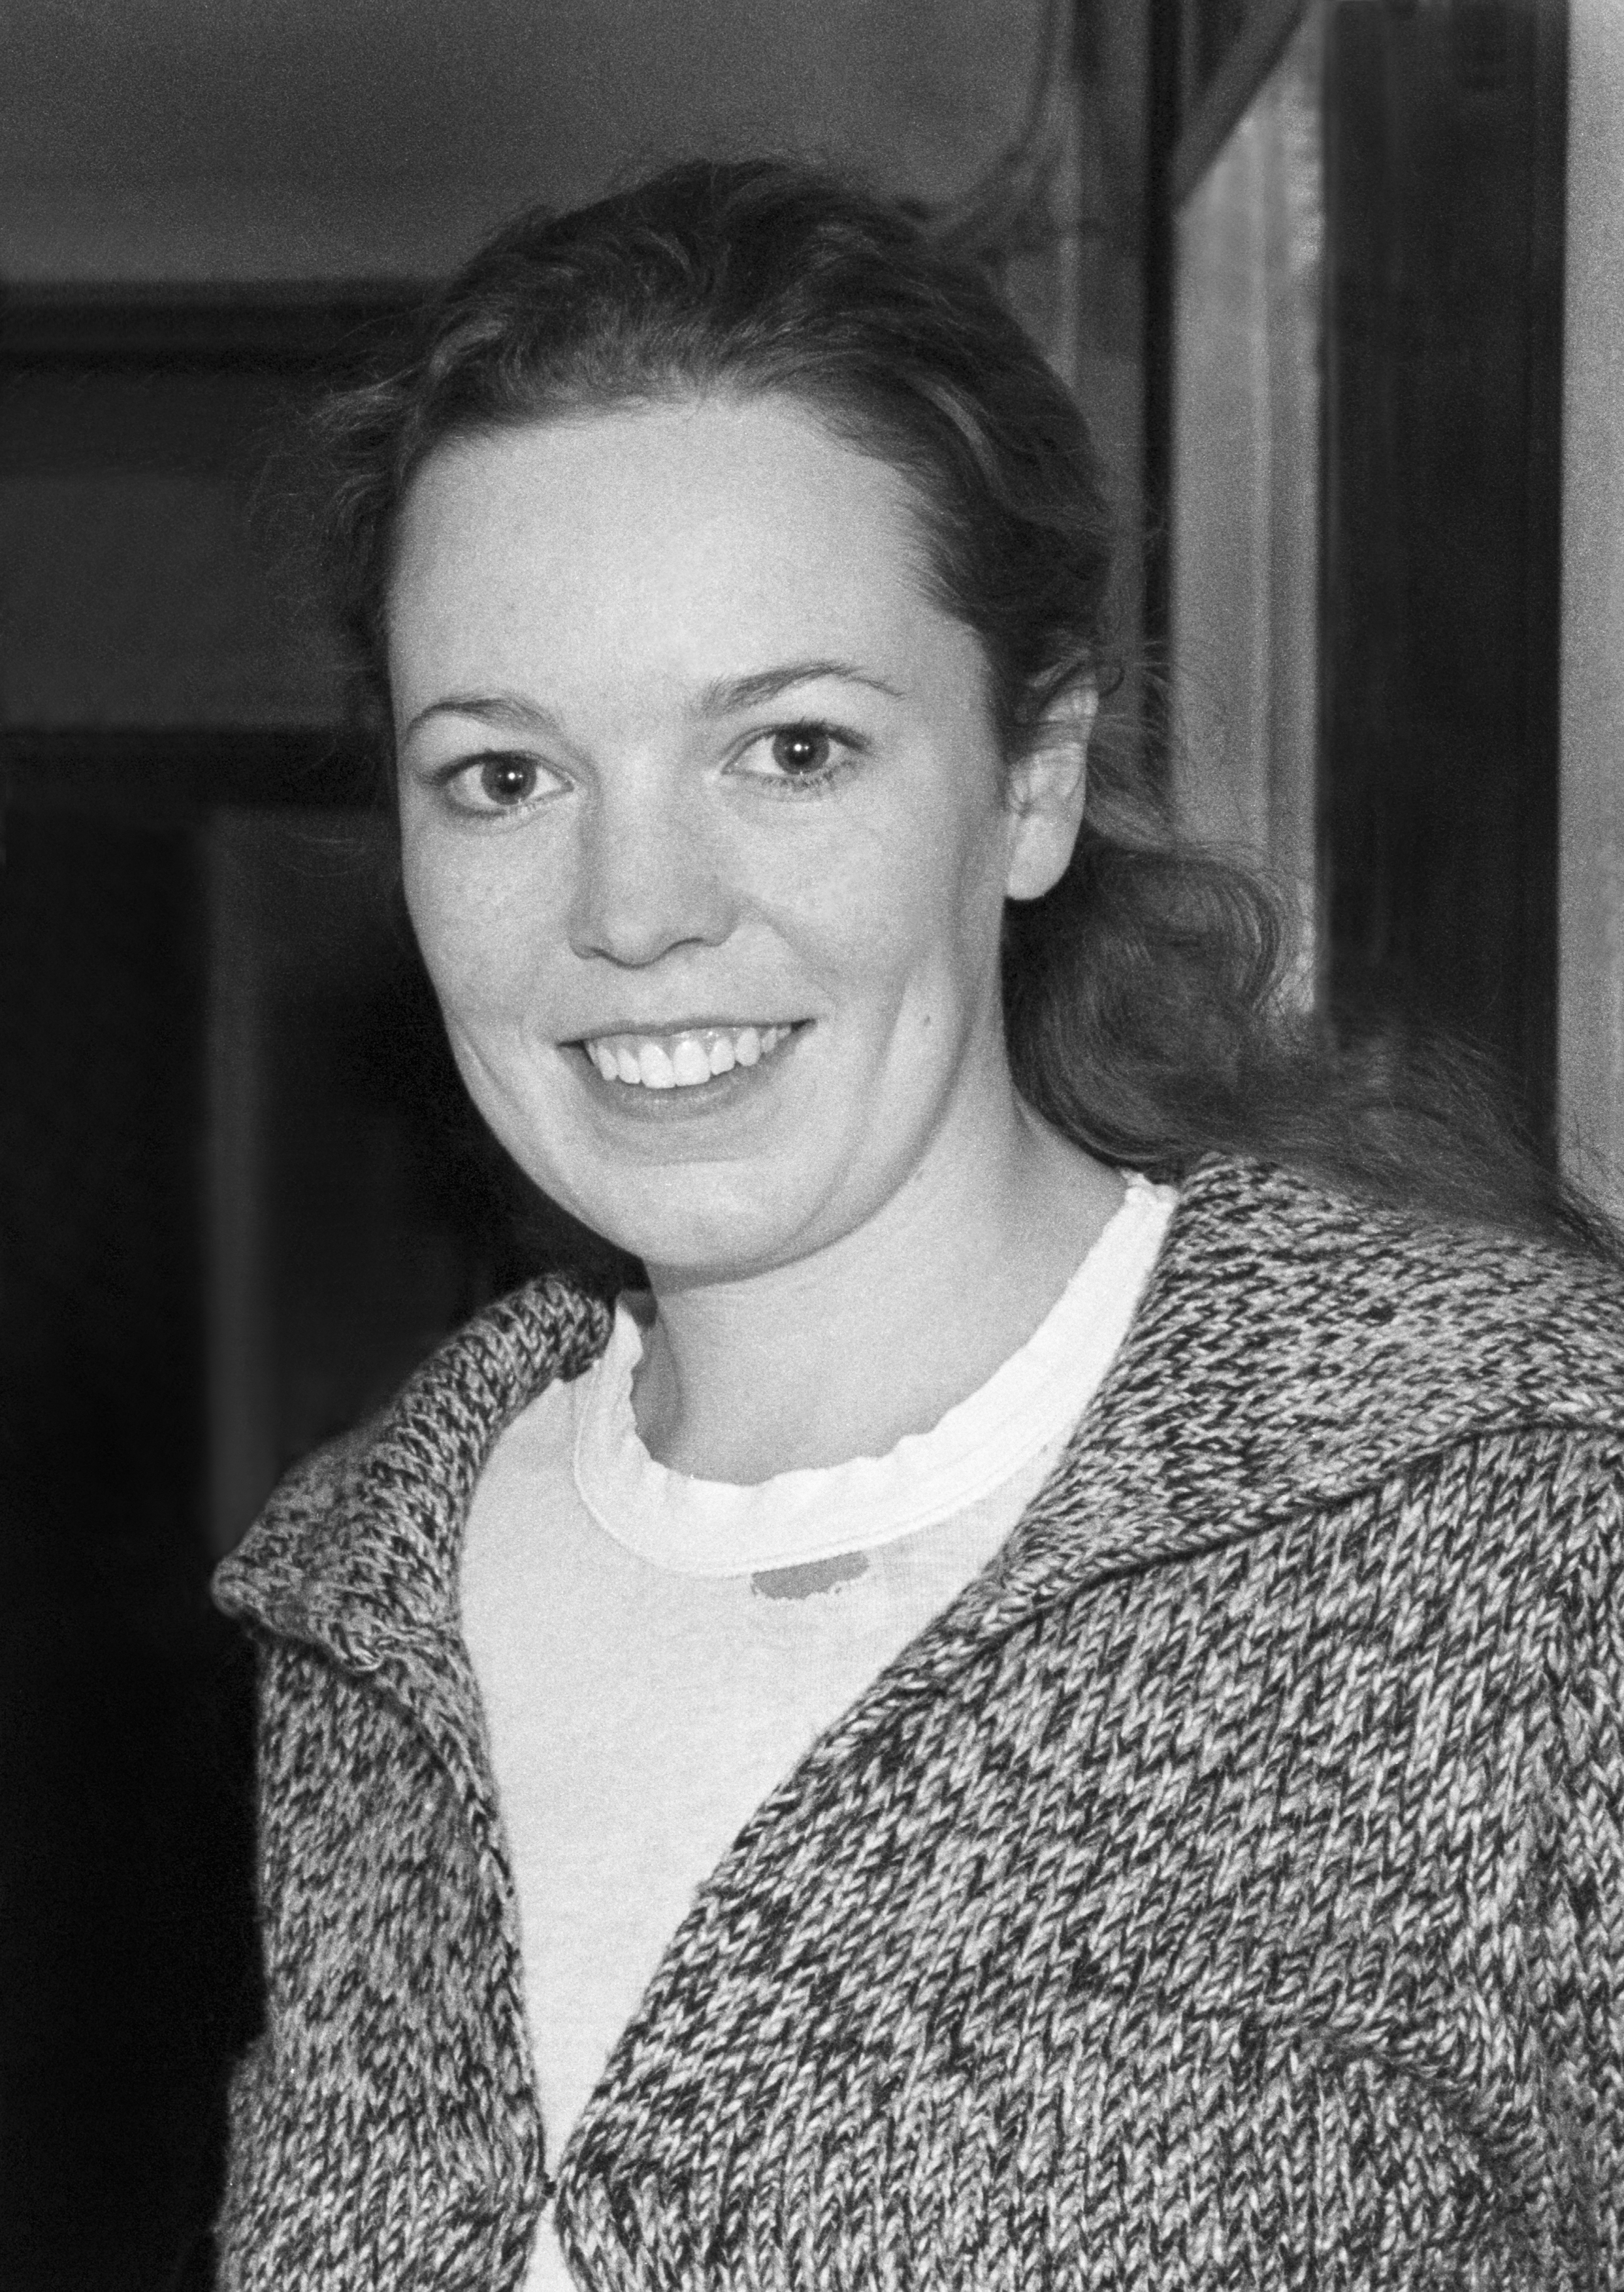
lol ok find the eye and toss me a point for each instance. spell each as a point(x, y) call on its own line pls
point(802, 751)
point(504, 782)
point(505, 779)
point(797, 759)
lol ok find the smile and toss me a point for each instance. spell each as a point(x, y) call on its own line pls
point(684, 1060)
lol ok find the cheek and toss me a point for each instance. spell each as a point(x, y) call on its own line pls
point(914, 929)
point(935, 904)
point(441, 918)
point(477, 934)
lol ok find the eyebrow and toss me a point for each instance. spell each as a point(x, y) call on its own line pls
point(503, 710)
point(722, 697)
point(727, 694)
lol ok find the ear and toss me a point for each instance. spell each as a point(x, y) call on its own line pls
point(1045, 793)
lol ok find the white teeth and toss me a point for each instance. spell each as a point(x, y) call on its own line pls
point(682, 1061)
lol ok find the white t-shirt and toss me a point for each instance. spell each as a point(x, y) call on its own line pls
point(656, 1652)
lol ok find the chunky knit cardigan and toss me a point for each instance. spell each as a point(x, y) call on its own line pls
point(1226, 1890)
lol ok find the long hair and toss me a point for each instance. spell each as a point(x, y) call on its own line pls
point(1142, 995)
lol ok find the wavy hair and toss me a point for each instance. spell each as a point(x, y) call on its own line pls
point(1142, 995)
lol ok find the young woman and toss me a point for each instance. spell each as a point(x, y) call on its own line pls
point(1044, 1708)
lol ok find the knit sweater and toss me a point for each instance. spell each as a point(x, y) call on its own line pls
point(1227, 1889)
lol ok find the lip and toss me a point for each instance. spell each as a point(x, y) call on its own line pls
point(656, 1030)
point(632, 1103)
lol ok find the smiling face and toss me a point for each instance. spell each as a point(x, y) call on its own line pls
point(705, 839)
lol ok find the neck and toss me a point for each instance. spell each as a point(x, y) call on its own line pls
point(842, 1353)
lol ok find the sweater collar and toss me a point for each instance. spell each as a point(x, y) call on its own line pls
point(1292, 1348)
point(358, 1549)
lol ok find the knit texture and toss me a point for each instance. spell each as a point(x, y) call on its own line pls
point(1226, 1890)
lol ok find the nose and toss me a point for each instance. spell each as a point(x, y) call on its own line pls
point(649, 879)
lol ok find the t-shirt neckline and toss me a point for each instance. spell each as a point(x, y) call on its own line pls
point(698, 1527)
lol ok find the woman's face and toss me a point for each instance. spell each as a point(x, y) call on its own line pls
point(704, 837)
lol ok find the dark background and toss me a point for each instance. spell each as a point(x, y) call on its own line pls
point(240, 1190)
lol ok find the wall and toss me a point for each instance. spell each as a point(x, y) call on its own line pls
point(187, 140)
point(1591, 1102)
point(151, 571)
point(153, 556)
point(1247, 483)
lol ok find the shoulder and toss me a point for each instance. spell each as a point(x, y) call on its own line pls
point(1281, 1278)
point(1296, 1346)
point(369, 1526)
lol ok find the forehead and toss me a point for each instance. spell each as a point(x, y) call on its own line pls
point(689, 527)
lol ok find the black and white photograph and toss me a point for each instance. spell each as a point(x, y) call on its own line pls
point(812, 1146)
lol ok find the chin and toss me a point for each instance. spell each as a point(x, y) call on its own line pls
point(700, 1241)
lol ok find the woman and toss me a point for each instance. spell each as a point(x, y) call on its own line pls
point(1045, 1710)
